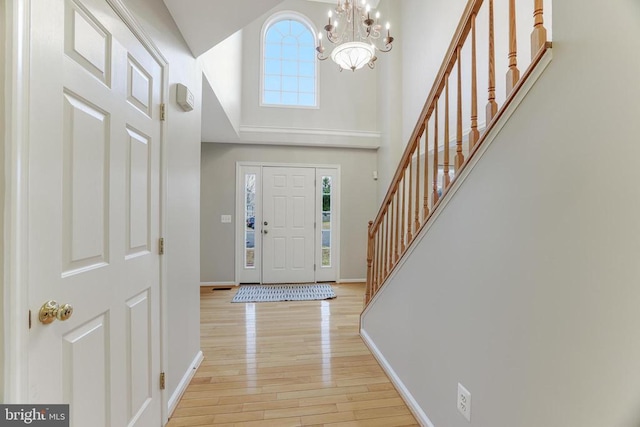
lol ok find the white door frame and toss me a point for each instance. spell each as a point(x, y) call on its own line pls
point(16, 225)
point(256, 167)
point(15, 292)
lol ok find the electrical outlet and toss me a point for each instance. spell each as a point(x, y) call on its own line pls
point(225, 219)
point(464, 402)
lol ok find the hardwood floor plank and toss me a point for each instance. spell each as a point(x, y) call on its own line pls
point(278, 404)
point(287, 364)
point(402, 421)
point(328, 418)
point(276, 422)
point(263, 397)
point(191, 421)
point(366, 414)
point(370, 404)
point(190, 403)
point(207, 410)
point(307, 410)
point(321, 392)
point(239, 417)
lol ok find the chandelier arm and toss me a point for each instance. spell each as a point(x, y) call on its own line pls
point(332, 37)
point(386, 48)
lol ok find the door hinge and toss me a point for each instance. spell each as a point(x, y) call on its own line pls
point(161, 246)
point(315, 225)
point(163, 112)
point(314, 267)
point(29, 319)
point(162, 381)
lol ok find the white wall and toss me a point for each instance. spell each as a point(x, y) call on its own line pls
point(525, 290)
point(428, 27)
point(222, 66)
point(183, 191)
point(390, 105)
point(358, 201)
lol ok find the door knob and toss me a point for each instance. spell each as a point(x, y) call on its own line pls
point(265, 231)
point(51, 311)
point(266, 223)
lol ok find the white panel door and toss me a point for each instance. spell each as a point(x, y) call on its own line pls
point(288, 214)
point(94, 162)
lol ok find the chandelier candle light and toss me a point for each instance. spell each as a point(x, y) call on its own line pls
point(356, 35)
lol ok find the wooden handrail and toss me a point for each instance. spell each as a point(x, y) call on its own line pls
point(403, 212)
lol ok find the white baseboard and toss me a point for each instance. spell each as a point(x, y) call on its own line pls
point(352, 280)
point(218, 284)
point(415, 409)
point(184, 382)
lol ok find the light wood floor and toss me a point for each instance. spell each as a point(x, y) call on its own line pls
point(288, 364)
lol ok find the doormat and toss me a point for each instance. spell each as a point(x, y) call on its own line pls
point(270, 293)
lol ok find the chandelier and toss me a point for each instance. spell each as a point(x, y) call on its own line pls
point(356, 35)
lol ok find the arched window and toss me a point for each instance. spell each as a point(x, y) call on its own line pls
point(289, 74)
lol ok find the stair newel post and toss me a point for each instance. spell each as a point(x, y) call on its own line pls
point(394, 232)
point(492, 105)
point(399, 245)
point(368, 291)
point(425, 203)
point(446, 178)
point(474, 135)
point(459, 156)
point(539, 34)
point(387, 243)
point(435, 197)
point(417, 215)
point(513, 74)
point(390, 238)
point(379, 254)
point(374, 265)
point(409, 199)
point(383, 243)
point(404, 202)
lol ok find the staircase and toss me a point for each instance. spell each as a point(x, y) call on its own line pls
point(522, 282)
point(445, 141)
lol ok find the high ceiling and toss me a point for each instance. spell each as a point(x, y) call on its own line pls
point(205, 23)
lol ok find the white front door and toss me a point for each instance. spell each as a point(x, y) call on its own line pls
point(288, 217)
point(94, 162)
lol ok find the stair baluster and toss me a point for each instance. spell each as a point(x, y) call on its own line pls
point(459, 156)
point(513, 74)
point(539, 34)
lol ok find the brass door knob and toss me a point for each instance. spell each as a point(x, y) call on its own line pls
point(51, 311)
